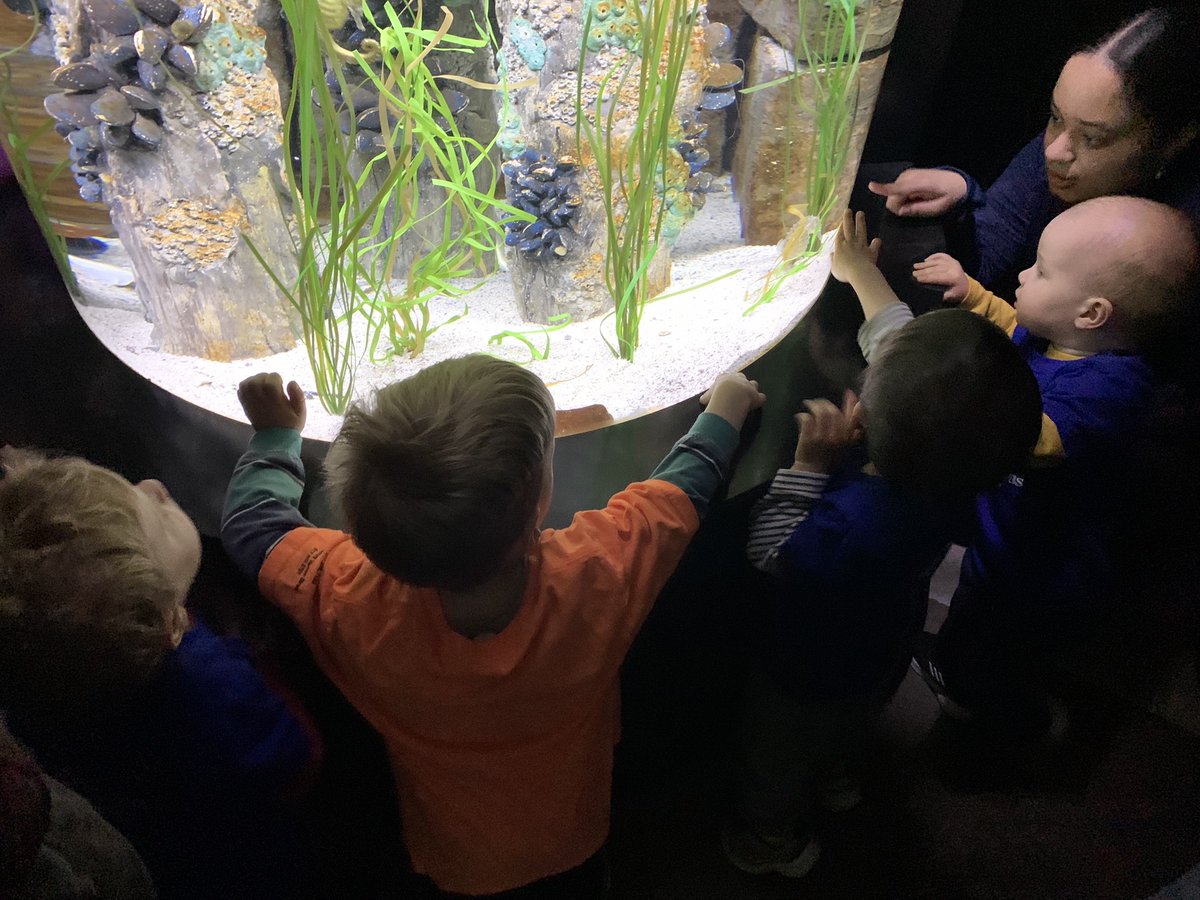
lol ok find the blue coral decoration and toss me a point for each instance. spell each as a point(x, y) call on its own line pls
point(613, 23)
point(223, 49)
point(528, 43)
point(546, 188)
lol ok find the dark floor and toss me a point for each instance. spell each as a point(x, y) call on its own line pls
point(1110, 812)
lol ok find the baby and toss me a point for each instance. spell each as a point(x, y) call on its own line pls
point(1112, 277)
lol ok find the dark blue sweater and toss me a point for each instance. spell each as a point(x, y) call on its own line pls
point(1045, 536)
point(190, 770)
point(851, 587)
point(998, 234)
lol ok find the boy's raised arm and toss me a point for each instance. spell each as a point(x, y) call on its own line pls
point(701, 460)
point(262, 504)
point(853, 263)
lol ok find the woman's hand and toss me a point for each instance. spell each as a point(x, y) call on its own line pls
point(923, 193)
point(943, 269)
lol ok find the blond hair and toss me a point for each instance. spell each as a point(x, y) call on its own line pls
point(83, 605)
point(440, 474)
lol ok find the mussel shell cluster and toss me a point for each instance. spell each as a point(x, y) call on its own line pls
point(110, 98)
point(355, 30)
point(359, 113)
point(695, 154)
point(721, 84)
point(544, 187)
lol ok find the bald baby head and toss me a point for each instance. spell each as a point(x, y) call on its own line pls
point(1138, 254)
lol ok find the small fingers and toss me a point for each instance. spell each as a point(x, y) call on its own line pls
point(295, 395)
point(849, 402)
point(860, 226)
point(819, 406)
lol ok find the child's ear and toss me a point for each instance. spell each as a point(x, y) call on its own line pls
point(177, 623)
point(1096, 313)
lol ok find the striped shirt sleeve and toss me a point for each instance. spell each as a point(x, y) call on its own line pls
point(786, 504)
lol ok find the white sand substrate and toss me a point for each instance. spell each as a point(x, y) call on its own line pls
point(687, 339)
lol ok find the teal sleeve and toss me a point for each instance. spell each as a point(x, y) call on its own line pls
point(263, 501)
point(701, 460)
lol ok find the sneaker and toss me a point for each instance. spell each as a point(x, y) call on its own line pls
point(756, 855)
point(923, 664)
point(838, 791)
point(1023, 716)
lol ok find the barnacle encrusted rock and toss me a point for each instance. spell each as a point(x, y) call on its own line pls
point(195, 233)
point(111, 96)
point(245, 105)
point(227, 47)
point(185, 206)
point(558, 260)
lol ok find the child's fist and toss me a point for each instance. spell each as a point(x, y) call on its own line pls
point(943, 269)
point(853, 254)
point(732, 398)
point(267, 406)
point(826, 432)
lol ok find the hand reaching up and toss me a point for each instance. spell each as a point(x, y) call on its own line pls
point(267, 406)
point(853, 255)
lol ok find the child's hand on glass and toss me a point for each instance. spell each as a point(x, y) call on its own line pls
point(732, 397)
point(267, 406)
point(943, 269)
point(853, 254)
point(826, 432)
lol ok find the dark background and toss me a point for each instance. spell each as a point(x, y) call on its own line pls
point(969, 81)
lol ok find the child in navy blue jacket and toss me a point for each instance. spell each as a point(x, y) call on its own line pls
point(843, 544)
point(1113, 278)
point(164, 726)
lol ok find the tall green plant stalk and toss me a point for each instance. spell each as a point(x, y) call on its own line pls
point(420, 132)
point(633, 161)
point(17, 147)
point(823, 82)
point(329, 287)
point(343, 291)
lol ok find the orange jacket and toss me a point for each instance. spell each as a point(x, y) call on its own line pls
point(502, 749)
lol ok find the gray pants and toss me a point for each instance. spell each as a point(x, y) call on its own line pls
point(789, 749)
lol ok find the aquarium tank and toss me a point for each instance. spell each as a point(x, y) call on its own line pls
point(628, 197)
